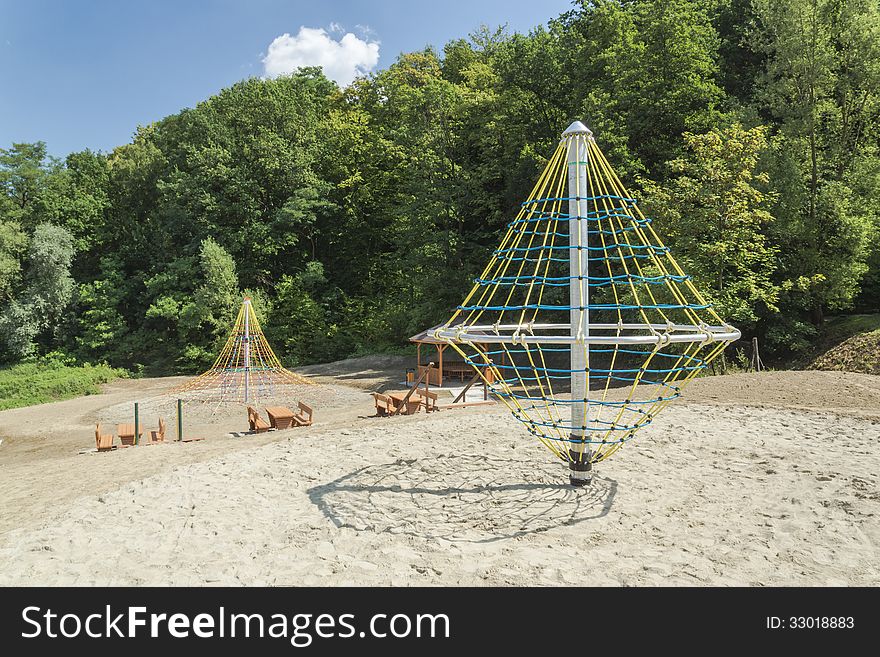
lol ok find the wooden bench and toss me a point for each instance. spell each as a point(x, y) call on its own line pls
point(103, 441)
point(303, 417)
point(257, 424)
point(384, 405)
point(158, 435)
point(429, 400)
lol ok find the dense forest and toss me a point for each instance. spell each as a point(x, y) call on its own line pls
point(355, 217)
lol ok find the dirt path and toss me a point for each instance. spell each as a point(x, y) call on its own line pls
point(843, 393)
point(713, 495)
point(42, 473)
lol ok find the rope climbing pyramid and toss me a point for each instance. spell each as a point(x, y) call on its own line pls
point(592, 327)
point(247, 370)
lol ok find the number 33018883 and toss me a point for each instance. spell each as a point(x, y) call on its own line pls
point(821, 622)
point(811, 623)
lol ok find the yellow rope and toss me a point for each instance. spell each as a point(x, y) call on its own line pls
point(226, 376)
point(634, 260)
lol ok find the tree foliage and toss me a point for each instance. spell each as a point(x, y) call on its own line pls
point(38, 310)
point(355, 217)
point(714, 210)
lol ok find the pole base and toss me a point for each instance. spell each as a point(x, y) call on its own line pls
point(580, 473)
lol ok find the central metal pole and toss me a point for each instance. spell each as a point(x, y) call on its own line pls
point(577, 136)
point(247, 350)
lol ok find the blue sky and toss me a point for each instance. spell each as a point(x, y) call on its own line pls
point(86, 73)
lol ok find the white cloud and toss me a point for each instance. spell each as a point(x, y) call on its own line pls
point(342, 60)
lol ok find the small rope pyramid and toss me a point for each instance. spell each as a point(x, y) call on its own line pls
point(247, 370)
point(592, 327)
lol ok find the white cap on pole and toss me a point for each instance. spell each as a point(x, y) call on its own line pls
point(577, 128)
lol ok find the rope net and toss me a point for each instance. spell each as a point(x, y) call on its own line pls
point(591, 326)
point(246, 370)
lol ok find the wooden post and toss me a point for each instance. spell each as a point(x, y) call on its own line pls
point(489, 364)
point(757, 365)
point(440, 348)
point(137, 437)
point(179, 420)
point(427, 385)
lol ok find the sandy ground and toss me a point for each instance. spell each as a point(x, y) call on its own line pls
point(753, 479)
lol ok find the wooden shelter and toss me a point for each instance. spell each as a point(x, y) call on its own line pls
point(456, 366)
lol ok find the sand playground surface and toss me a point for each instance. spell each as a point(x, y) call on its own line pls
point(750, 479)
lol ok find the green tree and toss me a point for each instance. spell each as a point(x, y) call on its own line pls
point(302, 325)
point(101, 327)
point(855, 117)
point(798, 83)
point(321, 202)
point(77, 197)
point(715, 214)
point(820, 85)
point(190, 317)
point(39, 308)
point(13, 242)
point(740, 62)
point(24, 169)
point(672, 86)
point(217, 299)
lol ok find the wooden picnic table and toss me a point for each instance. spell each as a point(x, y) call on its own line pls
point(465, 370)
point(460, 369)
point(126, 433)
point(280, 417)
point(412, 405)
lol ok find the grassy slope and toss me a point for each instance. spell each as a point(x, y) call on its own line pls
point(38, 383)
point(849, 344)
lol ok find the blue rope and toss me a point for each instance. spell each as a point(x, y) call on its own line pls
point(597, 402)
point(592, 281)
point(613, 258)
point(596, 350)
point(514, 381)
point(578, 442)
point(595, 370)
point(535, 216)
point(569, 426)
point(576, 247)
point(639, 223)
